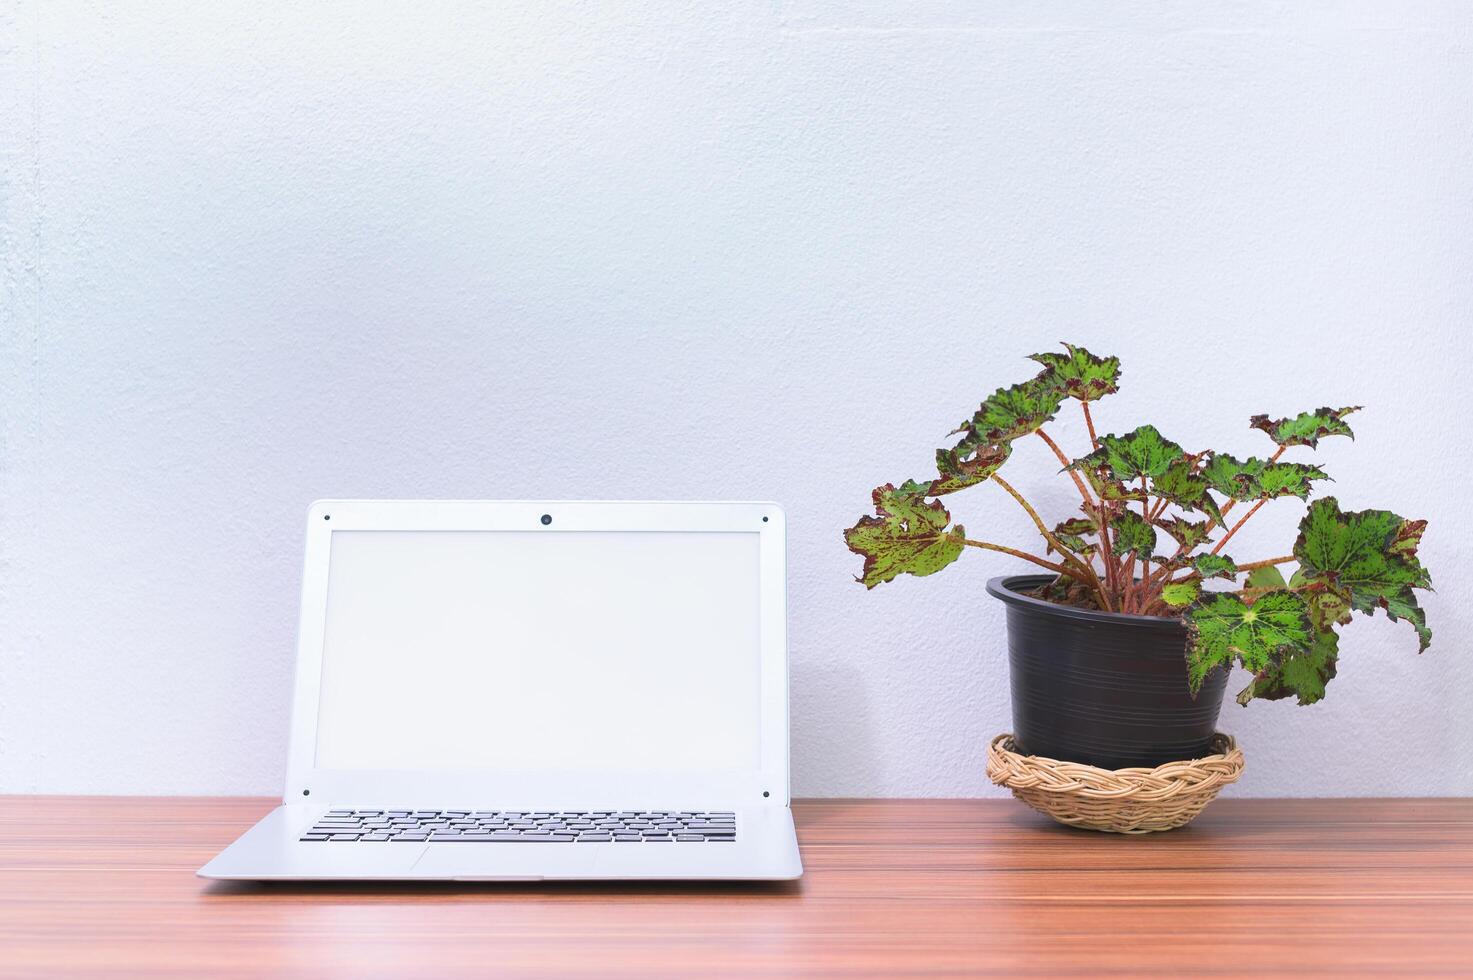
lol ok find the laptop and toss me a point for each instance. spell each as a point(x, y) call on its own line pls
point(525, 690)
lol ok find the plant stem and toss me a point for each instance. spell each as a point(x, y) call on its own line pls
point(1265, 563)
point(1107, 554)
point(1066, 463)
point(1068, 555)
point(1019, 554)
point(1037, 521)
point(1241, 521)
point(1156, 607)
point(1145, 516)
point(1090, 424)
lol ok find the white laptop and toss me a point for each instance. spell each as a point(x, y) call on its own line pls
point(523, 690)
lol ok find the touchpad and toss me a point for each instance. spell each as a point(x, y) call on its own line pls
point(493, 860)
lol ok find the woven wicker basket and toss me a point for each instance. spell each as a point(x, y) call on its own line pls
point(1120, 801)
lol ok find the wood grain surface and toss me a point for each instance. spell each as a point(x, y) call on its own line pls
point(894, 888)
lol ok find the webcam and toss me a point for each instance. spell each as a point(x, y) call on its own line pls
point(546, 518)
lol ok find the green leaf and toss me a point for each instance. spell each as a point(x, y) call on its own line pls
point(1184, 486)
point(1132, 533)
point(1224, 629)
point(1181, 593)
point(1327, 607)
point(1367, 557)
point(1303, 674)
point(1268, 577)
point(1081, 374)
point(907, 535)
point(1008, 414)
point(956, 472)
point(1254, 479)
point(1215, 566)
point(1143, 452)
point(1226, 473)
point(1307, 428)
point(1011, 413)
point(1286, 480)
point(1105, 486)
point(1071, 535)
point(1188, 534)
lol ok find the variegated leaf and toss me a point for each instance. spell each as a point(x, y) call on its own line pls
point(1307, 428)
point(1215, 566)
point(1081, 374)
point(1369, 557)
point(1188, 534)
point(908, 534)
point(1224, 630)
point(1143, 452)
point(1130, 532)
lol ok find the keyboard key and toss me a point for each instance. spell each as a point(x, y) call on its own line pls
point(689, 837)
point(461, 837)
point(596, 837)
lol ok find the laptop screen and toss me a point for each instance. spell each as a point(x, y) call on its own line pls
point(541, 651)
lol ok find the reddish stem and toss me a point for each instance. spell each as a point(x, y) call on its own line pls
point(1234, 529)
point(1019, 554)
point(1089, 423)
point(1065, 462)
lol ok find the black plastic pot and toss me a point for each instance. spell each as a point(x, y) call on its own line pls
point(1105, 689)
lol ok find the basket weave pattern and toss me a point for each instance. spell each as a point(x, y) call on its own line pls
point(1121, 801)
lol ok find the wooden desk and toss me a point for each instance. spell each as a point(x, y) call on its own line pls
point(893, 888)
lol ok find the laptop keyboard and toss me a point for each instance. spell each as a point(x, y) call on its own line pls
point(566, 826)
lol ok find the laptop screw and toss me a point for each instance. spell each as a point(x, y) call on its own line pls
point(764, 520)
point(765, 793)
point(328, 517)
point(306, 792)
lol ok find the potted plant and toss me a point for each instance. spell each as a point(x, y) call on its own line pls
point(1120, 653)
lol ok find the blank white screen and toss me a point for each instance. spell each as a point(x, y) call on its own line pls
point(541, 651)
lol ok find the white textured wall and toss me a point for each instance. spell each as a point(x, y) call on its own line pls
point(256, 254)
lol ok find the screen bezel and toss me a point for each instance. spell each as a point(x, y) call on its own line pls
point(765, 785)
